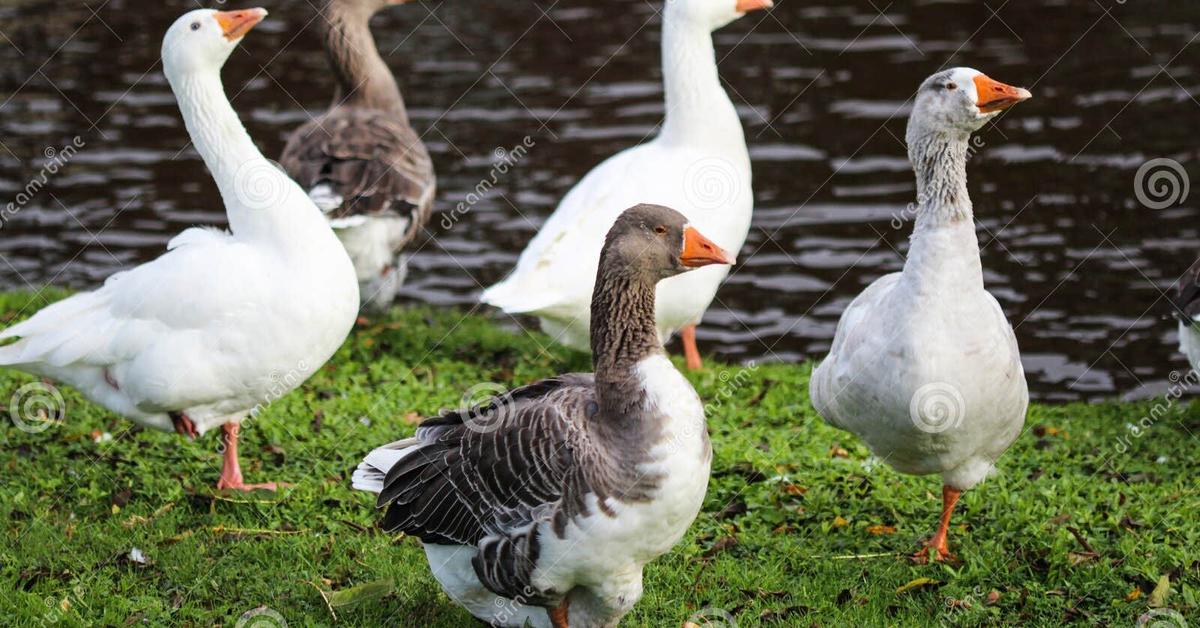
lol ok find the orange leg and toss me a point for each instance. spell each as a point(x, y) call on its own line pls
point(558, 615)
point(690, 352)
point(940, 543)
point(231, 470)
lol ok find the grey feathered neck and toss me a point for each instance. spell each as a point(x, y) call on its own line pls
point(939, 159)
point(623, 333)
point(363, 77)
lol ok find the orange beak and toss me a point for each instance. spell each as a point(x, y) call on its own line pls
point(700, 251)
point(235, 24)
point(746, 6)
point(996, 96)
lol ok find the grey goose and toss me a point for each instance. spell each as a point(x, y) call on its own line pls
point(361, 161)
point(544, 504)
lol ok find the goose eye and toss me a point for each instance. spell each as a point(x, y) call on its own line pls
point(951, 86)
point(195, 26)
point(660, 230)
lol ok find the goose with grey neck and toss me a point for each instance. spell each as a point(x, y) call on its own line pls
point(544, 504)
point(698, 164)
point(223, 323)
point(361, 161)
point(924, 366)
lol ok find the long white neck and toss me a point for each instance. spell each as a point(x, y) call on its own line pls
point(944, 248)
point(262, 203)
point(698, 109)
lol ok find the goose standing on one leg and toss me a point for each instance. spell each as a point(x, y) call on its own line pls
point(361, 161)
point(924, 366)
point(223, 322)
point(698, 164)
point(545, 503)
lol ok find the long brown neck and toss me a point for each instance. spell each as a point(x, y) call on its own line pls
point(363, 77)
point(623, 333)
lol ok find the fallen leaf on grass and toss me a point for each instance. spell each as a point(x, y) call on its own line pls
point(794, 489)
point(918, 583)
point(179, 537)
point(1079, 558)
point(839, 522)
point(721, 545)
point(838, 452)
point(276, 451)
point(1158, 597)
point(732, 509)
point(1130, 523)
point(880, 529)
point(1133, 595)
point(366, 592)
point(993, 597)
point(121, 498)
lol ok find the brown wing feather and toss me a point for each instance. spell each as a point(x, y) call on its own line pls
point(373, 160)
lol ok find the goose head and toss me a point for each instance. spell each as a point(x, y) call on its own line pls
point(713, 14)
point(961, 101)
point(202, 40)
point(659, 242)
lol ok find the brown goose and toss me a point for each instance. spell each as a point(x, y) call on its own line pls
point(544, 504)
point(361, 162)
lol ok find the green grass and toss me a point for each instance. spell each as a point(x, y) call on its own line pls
point(1083, 522)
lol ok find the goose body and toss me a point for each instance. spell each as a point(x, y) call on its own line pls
point(698, 163)
point(924, 366)
point(1187, 309)
point(361, 162)
point(544, 504)
point(223, 322)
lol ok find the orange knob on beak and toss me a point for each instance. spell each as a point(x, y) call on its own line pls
point(996, 96)
point(700, 251)
point(235, 24)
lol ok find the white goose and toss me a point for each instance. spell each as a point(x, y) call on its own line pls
point(924, 367)
point(698, 164)
point(222, 323)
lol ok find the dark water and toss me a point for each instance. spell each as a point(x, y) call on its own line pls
point(1071, 253)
